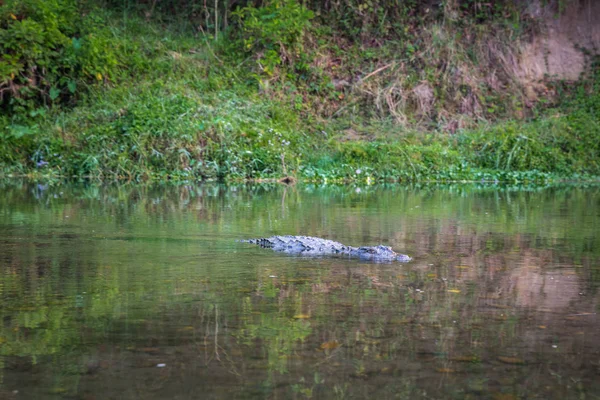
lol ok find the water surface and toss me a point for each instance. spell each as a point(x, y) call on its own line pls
point(143, 293)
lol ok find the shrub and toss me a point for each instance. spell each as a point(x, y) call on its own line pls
point(273, 32)
point(47, 50)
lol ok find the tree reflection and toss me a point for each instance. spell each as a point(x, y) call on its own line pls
point(104, 283)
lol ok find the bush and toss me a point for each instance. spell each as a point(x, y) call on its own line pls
point(273, 32)
point(48, 50)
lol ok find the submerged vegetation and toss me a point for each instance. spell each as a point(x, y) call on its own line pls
point(376, 91)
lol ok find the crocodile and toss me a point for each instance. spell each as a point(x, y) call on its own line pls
point(313, 246)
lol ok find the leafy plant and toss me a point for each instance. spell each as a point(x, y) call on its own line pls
point(273, 32)
point(48, 50)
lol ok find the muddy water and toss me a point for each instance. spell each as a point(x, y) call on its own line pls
point(143, 293)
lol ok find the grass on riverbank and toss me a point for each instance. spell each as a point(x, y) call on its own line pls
point(184, 113)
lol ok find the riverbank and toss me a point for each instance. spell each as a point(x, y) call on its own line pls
point(181, 106)
point(155, 139)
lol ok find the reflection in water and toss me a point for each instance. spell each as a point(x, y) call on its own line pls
point(143, 292)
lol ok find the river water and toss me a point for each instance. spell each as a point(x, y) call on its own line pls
point(133, 292)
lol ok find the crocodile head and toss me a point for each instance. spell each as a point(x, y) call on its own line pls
point(381, 253)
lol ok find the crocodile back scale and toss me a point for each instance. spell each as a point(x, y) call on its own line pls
point(313, 246)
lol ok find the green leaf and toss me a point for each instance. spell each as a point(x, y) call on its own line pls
point(54, 93)
point(72, 85)
point(18, 131)
point(77, 43)
point(38, 111)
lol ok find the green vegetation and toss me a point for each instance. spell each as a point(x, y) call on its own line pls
point(384, 92)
